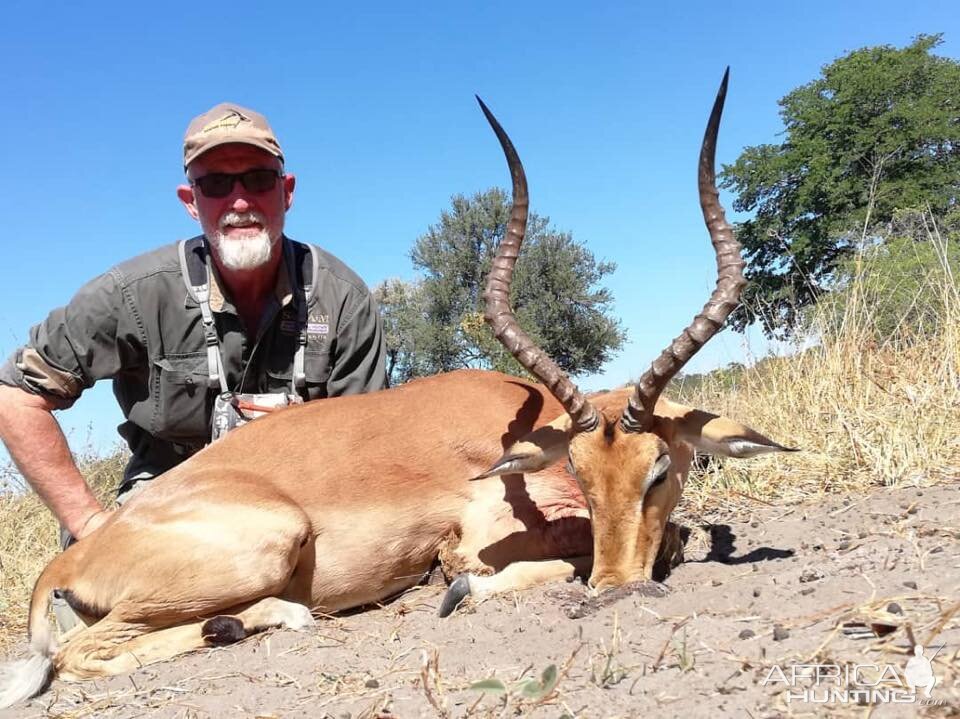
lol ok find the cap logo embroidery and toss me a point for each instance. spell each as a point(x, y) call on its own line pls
point(230, 121)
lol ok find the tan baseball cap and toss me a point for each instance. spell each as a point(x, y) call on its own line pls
point(226, 123)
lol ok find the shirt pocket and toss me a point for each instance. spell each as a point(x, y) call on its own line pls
point(182, 397)
point(316, 367)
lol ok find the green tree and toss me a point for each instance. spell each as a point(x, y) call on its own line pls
point(877, 132)
point(901, 287)
point(435, 324)
point(404, 324)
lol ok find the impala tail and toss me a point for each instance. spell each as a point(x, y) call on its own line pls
point(25, 678)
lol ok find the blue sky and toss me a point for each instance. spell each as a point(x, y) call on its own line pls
point(374, 108)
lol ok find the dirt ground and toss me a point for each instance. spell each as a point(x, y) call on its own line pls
point(762, 588)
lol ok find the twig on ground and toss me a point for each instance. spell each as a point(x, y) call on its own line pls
point(666, 644)
point(430, 681)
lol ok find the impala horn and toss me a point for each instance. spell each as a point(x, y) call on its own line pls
point(638, 415)
point(497, 295)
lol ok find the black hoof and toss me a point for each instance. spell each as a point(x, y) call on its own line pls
point(222, 630)
point(458, 590)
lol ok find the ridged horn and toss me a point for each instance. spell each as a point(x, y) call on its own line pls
point(497, 295)
point(638, 415)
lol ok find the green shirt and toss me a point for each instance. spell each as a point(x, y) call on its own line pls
point(137, 325)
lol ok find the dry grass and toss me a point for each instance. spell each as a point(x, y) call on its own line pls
point(866, 407)
point(30, 536)
point(865, 410)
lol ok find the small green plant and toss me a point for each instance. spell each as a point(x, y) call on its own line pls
point(530, 689)
point(685, 658)
point(608, 671)
point(612, 672)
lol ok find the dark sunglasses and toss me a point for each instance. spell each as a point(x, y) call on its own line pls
point(220, 184)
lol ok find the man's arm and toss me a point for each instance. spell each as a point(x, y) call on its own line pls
point(37, 445)
point(91, 338)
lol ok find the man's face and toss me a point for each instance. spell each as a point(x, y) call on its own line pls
point(243, 227)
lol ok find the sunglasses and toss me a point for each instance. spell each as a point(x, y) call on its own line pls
point(220, 184)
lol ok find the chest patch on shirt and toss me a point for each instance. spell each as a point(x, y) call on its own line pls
point(318, 326)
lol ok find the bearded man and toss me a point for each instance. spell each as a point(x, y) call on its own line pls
point(240, 309)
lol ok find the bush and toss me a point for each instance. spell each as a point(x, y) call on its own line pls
point(903, 280)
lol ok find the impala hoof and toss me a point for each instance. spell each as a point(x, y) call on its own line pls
point(458, 590)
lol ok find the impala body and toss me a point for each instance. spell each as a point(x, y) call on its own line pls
point(347, 501)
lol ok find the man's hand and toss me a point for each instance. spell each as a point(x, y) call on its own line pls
point(93, 522)
point(39, 449)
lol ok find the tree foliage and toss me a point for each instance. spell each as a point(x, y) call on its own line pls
point(877, 132)
point(401, 306)
point(435, 324)
point(902, 286)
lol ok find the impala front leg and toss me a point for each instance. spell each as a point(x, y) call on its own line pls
point(519, 575)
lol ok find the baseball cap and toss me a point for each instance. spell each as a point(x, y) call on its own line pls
point(226, 123)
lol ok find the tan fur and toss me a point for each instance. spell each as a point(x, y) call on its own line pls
point(615, 470)
point(344, 502)
point(522, 575)
point(115, 646)
point(332, 504)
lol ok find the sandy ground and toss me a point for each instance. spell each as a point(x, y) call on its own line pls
point(762, 587)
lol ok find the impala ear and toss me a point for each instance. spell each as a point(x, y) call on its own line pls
point(716, 434)
point(536, 450)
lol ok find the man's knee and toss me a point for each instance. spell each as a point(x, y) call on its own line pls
point(63, 613)
point(66, 539)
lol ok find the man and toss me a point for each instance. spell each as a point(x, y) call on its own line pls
point(240, 309)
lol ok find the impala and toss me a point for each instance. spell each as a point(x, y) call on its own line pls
point(347, 501)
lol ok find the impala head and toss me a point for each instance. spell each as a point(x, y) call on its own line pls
point(629, 450)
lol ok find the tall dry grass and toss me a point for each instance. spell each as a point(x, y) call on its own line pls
point(869, 399)
point(867, 404)
point(30, 536)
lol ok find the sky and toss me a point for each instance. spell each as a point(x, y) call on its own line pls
point(373, 105)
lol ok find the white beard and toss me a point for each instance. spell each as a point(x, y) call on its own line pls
point(246, 253)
